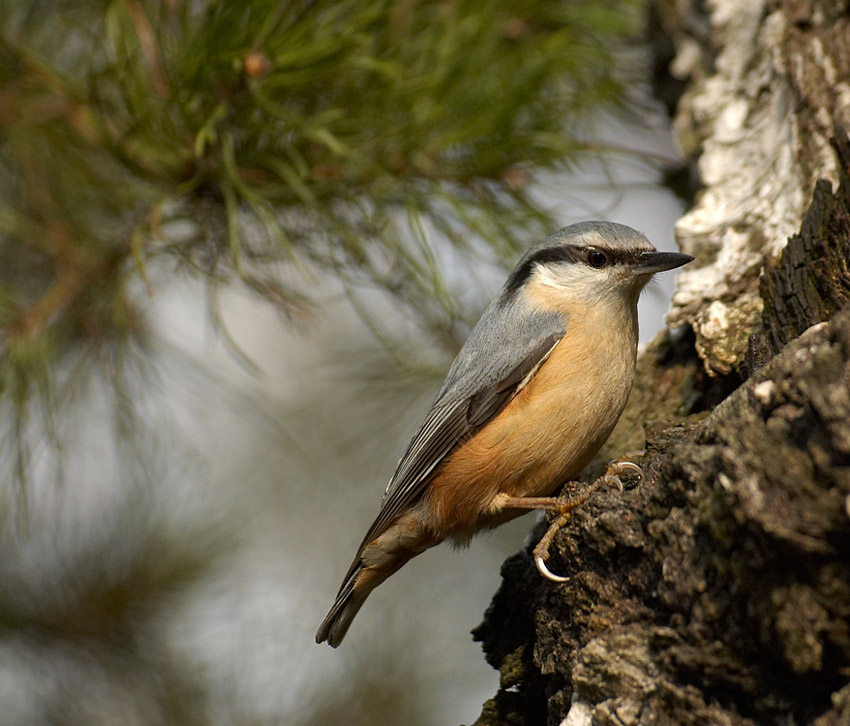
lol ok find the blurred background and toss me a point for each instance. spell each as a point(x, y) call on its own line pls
point(240, 244)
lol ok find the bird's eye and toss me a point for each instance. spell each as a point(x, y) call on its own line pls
point(596, 259)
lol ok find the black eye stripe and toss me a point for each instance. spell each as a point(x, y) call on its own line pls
point(572, 253)
point(567, 253)
point(564, 253)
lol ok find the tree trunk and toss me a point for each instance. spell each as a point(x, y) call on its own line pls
point(718, 591)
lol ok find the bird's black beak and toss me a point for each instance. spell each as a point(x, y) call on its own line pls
point(651, 262)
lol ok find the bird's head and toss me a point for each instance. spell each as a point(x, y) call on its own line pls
point(590, 263)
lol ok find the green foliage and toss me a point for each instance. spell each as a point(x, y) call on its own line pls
point(281, 135)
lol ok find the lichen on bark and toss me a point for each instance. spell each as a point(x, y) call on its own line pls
point(758, 123)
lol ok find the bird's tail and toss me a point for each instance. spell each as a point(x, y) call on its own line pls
point(378, 558)
point(358, 584)
point(348, 602)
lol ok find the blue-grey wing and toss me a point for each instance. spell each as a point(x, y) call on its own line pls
point(486, 374)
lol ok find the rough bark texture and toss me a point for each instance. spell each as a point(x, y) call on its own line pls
point(811, 279)
point(769, 83)
point(718, 591)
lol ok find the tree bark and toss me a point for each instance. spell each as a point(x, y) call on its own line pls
point(718, 591)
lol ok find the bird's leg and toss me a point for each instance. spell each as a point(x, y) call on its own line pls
point(564, 505)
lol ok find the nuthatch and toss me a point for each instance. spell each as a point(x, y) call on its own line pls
point(531, 397)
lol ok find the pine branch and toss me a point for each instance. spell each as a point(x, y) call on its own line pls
point(312, 136)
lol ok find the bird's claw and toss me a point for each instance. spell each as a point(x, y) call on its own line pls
point(611, 477)
point(614, 481)
point(616, 468)
point(546, 572)
point(541, 550)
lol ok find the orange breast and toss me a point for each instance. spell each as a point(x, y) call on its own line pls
point(544, 437)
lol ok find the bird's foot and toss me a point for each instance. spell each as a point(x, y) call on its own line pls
point(563, 507)
point(617, 467)
point(541, 549)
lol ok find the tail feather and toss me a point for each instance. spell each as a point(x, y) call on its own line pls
point(338, 620)
point(375, 562)
point(355, 589)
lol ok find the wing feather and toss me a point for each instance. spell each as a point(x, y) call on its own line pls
point(449, 424)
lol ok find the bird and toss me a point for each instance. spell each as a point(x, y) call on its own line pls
point(531, 397)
